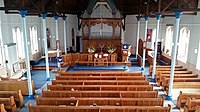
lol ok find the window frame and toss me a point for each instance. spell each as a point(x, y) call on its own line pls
point(167, 40)
point(184, 44)
point(19, 40)
point(33, 41)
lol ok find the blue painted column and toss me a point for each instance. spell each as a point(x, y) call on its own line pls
point(158, 16)
point(65, 37)
point(145, 38)
point(137, 35)
point(44, 15)
point(30, 89)
point(174, 50)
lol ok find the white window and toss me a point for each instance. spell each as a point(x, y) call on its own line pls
point(198, 58)
point(183, 44)
point(169, 40)
point(153, 38)
point(1, 50)
point(18, 39)
point(34, 40)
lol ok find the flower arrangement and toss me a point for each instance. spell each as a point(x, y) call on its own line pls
point(111, 48)
point(91, 49)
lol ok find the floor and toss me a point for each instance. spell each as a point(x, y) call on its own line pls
point(132, 68)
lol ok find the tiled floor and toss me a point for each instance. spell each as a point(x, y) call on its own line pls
point(161, 93)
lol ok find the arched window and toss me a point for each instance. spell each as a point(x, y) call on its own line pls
point(198, 58)
point(153, 38)
point(18, 39)
point(183, 44)
point(34, 40)
point(1, 50)
point(169, 40)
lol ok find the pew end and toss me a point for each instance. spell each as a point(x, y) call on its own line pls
point(2, 108)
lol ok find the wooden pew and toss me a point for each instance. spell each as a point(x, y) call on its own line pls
point(164, 68)
point(101, 101)
point(166, 81)
point(158, 74)
point(99, 82)
point(194, 85)
point(104, 73)
point(165, 59)
point(17, 96)
point(183, 97)
point(100, 78)
point(100, 87)
point(15, 86)
point(61, 108)
point(9, 104)
point(100, 94)
point(197, 109)
point(2, 109)
point(191, 104)
point(162, 76)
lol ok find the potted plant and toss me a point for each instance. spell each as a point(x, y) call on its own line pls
point(91, 49)
point(111, 49)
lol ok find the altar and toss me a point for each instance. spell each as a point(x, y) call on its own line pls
point(101, 61)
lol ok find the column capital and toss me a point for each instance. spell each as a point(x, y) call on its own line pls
point(178, 14)
point(146, 18)
point(64, 18)
point(158, 15)
point(43, 15)
point(138, 18)
point(23, 13)
point(56, 17)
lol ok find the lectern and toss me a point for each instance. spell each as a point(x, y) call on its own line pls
point(125, 52)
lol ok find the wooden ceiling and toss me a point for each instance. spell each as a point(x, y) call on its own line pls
point(78, 7)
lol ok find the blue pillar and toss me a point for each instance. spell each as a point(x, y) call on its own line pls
point(30, 89)
point(44, 15)
point(158, 16)
point(174, 50)
point(65, 37)
point(137, 35)
point(144, 49)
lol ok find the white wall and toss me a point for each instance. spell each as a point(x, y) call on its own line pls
point(192, 22)
point(71, 22)
point(9, 21)
point(131, 30)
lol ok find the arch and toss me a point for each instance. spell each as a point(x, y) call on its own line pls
point(183, 44)
point(34, 39)
point(18, 39)
point(169, 40)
